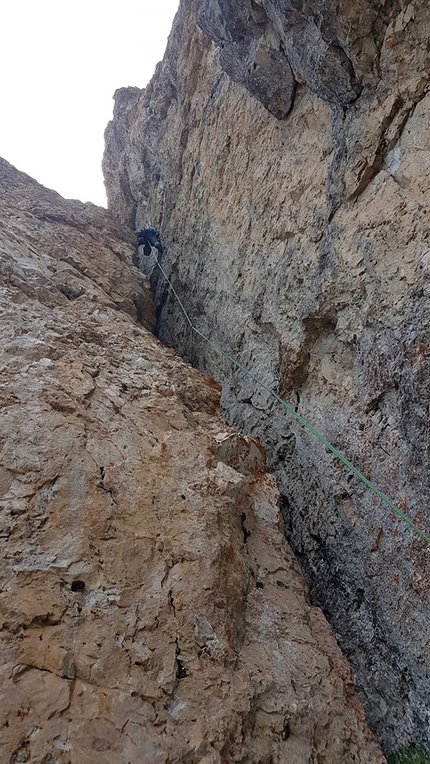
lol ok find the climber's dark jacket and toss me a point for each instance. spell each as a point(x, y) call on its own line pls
point(149, 237)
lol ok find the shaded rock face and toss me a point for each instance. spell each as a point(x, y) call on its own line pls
point(250, 52)
point(150, 608)
point(301, 246)
point(270, 46)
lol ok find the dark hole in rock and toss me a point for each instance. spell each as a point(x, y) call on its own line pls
point(77, 586)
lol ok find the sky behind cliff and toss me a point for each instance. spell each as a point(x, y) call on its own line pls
point(61, 63)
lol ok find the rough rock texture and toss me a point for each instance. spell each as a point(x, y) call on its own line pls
point(301, 246)
point(150, 608)
point(271, 46)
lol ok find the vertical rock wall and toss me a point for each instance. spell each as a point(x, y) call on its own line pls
point(287, 166)
point(150, 608)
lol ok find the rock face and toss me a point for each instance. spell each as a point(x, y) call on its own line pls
point(301, 246)
point(151, 610)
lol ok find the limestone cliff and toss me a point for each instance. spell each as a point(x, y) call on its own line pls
point(150, 608)
point(283, 149)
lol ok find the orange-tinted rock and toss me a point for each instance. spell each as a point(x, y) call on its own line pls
point(150, 608)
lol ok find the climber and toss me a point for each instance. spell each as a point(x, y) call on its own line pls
point(149, 237)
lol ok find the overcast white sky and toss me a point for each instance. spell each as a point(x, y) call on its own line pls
point(60, 63)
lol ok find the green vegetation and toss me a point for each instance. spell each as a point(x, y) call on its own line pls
point(409, 756)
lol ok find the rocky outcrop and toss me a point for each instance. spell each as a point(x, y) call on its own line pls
point(301, 246)
point(150, 608)
point(270, 47)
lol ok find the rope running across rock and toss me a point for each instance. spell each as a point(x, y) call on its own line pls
point(372, 487)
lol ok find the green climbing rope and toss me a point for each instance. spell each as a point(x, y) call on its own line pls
point(298, 417)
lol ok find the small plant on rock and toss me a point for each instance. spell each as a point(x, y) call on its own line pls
point(411, 755)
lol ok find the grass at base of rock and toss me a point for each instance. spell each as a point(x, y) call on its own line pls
point(409, 756)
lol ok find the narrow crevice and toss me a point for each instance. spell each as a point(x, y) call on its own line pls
point(102, 486)
point(181, 672)
point(246, 533)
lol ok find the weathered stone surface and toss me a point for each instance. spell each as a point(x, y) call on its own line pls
point(73, 251)
point(301, 246)
point(271, 46)
point(150, 608)
point(250, 52)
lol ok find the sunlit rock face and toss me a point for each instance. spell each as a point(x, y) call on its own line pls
point(150, 608)
point(297, 235)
